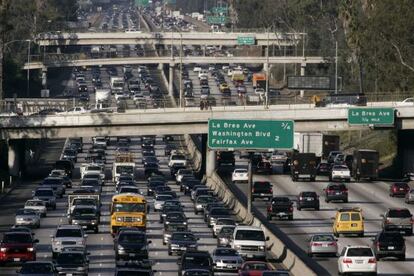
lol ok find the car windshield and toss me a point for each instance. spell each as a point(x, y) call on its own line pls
point(176, 227)
point(226, 252)
point(280, 199)
point(399, 213)
point(44, 193)
point(75, 233)
point(133, 273)
point(129, 207)
point(309, 194)
point(25, 212)
point(240, 171)
point(391, 237)
point(321, 238)
point(129, 190)
point(250, 235)
point(83, 212)
point(226, 222)
point(131, 238)
point(359, 252)
point(17, 238)
point(255, 266)
point(178, 157)
point(196, 261)
point(175, 216)
point(163, 197)
point(205, 199)
point(227, 230)
point(125, 169)
point(341, 168)
point(36, 268)
point(219, 211)
point(35, 203)
point(84, 201)
point(70, 258)
point(183, 237)
point(52, 181)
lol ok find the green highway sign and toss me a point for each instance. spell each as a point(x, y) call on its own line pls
point(216, 19)
point(371, 116)
point(246, 40)
point(143, 3)
point(250, 134)
point(219, 10)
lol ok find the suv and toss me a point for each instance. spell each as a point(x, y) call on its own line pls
point(336, 192)
point(348, 221)
point(47, 195)
point(182, 241)
point(131, 244)
point(357, 259)
point(396, 219)
point(399, 189)
point(67, 235)
point(280, 207)
point(195, 260)
point(307, 200)
point(86, 216)
point(72, 263)
point(262, 189)
point(17, 247)
point(249, 241)
point(389, 244)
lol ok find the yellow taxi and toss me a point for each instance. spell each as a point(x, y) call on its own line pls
point(348, 221)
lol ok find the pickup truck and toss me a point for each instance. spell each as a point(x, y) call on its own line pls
point(92, 168)
point(399, 220)
point(280, 207)
point(340, 172)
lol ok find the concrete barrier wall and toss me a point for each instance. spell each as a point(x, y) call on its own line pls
point(292, 262)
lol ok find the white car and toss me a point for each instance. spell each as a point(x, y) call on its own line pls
point(160, 200)
point(37, 205)
point(121, 96)
point(340, 172)
point(177, 159)
point(203, 74)
point(406, 102)
point(76, 110)
point(359, 259)
point(259, 91)
point(240, 175)
point(197, 68)
point(279, 157)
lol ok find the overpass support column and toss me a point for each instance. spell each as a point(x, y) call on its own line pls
point(171, 81)
point(15, 148)
point(302, 73)
point(210, 162)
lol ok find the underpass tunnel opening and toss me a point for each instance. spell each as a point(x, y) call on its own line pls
point(405, 152)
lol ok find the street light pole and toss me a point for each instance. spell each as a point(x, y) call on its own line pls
point(181, 69)
point(28, 71)
point(268, 75)
point(336, 66)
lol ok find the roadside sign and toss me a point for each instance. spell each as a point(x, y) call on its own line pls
point(371, 116)
point(216, 19)
point(219, 10)
point(311, 82)
point(250, 134)
point(246, 40)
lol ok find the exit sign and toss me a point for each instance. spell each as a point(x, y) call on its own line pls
point(250, 134)
point(246, 40)
point(371, 116)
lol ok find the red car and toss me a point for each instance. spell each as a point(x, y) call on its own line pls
point(399, 189)
point(254, 268)
point(17, 247)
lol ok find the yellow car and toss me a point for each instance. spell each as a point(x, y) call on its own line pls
point(223, 86)
point(348, 221)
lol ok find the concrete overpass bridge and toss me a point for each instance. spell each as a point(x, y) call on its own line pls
point(166, 38)
point(183, 121)
point(168, 60)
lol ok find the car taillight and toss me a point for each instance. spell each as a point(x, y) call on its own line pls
point(30, 249)
point(387, 221)
point(270, 190)
point(332, 244)
point(395, 189)
point(291, 209)
point(372, 261)
point(347, 261)
point(377, 244)
point(316, 244)
point(269, 208)
point(412, 221)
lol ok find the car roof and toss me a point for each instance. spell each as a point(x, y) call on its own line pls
point(69, 226)
point(246, 227)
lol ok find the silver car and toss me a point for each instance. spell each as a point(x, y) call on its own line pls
point(225, 236)
point(220, 223)
point(36, 205)
point(409, 197)
point(159, 201)
point(322, 244)
point(225, 259)
point(67, 235)
point(27, 217)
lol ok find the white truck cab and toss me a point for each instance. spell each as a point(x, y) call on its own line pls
point(249, 241)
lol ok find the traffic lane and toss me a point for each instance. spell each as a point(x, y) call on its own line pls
point(306, 223)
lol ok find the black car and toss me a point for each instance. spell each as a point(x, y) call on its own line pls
point(86, 216)
point(323, 168)
point(191, 260)
point(389, 244)
point(75, 263)
point(152, 186)
point(188, 183)
point(169, 148)
point(264, 167)
point(149, 159)
point(334, 192)
point(175, 167)
point(175, 217)
point(150, 168)
point(182, 241)
point(307, 200)
point(131, 245)
point(168, 209)
point(36, 268)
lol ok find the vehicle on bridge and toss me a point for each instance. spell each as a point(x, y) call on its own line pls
point(128, 210)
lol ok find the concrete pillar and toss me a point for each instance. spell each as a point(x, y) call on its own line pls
point(14, 149)
point(211, 162)
point(265, 67)
point(44, 78)
point(171, 81)
point(302, 73)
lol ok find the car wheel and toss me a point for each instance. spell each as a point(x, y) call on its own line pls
point(54, 255)
point(96, 230)
point(214, 235)
point(269, 217)
point(317, 208)
point(169, 253)
point(360, 234)
point(346, 201)
point(299, 208)
point(402, 258)
point(409, 232)
point(310, 254)
point(54, 207)
point(252, 198)
point(196, 212)
point(290, 217)
point(336, 234)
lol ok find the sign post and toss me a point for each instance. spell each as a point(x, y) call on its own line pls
point(380, 116)
point(250, 135)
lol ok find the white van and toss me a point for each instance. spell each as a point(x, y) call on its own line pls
point(250, 242)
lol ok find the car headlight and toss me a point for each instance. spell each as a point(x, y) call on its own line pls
point(30, 249)
point(93, 222)
point(3, 249)
point(80, 268)
point(238, 247)
point(185, 223)
point(175, 245)
point(120, 247)
point(57, 242)
point(224, 239)
point(119, 219)
point(137, 219)
point(261, 248)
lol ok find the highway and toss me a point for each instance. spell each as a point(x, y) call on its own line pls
point(372, 197)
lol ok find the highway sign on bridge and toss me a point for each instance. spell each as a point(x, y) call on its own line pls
point(250, 134)
point(371, 116)
point(246, 40)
